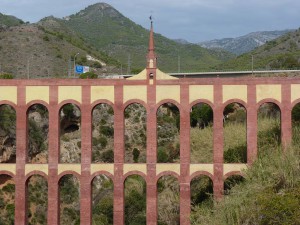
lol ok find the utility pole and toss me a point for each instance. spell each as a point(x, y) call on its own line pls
point(252, 63)
point(178, 63)
point(129, 65)
point(75, 63)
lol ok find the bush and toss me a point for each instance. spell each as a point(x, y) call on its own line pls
point(107, 131)
point(6, 76)
point(107, 156)
point(136, 154)
point(88, 75)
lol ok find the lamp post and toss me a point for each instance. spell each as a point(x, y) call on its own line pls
point(75, 63)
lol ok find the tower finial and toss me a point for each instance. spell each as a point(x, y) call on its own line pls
point(151, 57)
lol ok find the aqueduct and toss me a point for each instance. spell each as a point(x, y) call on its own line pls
point(151, 88)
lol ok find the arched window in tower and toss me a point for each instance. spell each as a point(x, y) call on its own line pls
point(135, 200)
point(69, 198)
point(102, 200)
point(37, 200)
point(268, 127)
point(7, 199)
point(70, 134)
point(168, 206)
point(38, 127)
point(201, 133)
point(103, 134)
point(235, 133)
point(8, 134)
point(168, 128)
point(135, 116)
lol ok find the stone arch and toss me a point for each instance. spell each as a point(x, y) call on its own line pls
point(135, 132)
point(168, 202)
point(268, 125)
point(70, 132)
point(135, 188)
point(201, 132)
point(37, 132)
point(102, 133)
point(231, 179)
point(168, 132)
point(37, 198)
point(102, 199)
point(235, 132)
point(295, 115)
point(69, 198)
point(8, 116)
point(201, 188)
point(7, 197)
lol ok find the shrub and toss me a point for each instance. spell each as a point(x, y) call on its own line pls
point(107, 156)
point(136, 154)
point(88, 75)
point(107, 131)
point(6, 76)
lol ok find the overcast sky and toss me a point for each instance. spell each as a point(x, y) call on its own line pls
point(192, 20)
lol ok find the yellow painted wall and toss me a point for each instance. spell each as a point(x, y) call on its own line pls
point(135, 167)
point(162, 167)
point(37, 93)
point(163, 76)
point(202, 167)
point(102, 92)
point(295, 92)
point(167, 92)
point(227, 168)
point(268, 91)
point(135, 92)
point(69, 167)
point(102, 167)
point(39, 167)
point(201, 92)
point(69, 92)
point(8, 93)
point(8, 167)
point(234, 91)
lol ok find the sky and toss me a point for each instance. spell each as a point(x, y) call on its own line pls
point(192, 20)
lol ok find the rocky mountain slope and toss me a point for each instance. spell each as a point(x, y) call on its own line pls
point(244, 43)
point(280, 53)
point(8, 21)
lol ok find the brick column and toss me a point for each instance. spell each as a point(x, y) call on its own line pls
point(86, 149)
point(218, 142)
point(286, 116)
point(251, 124)
point(53, 158)
point(21, 152)
point(185, 195)
point(151, 157)
point(118, 156)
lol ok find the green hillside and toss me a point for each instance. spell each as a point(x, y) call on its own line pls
point(9, 21)
point(106, 29)
point(281, 53)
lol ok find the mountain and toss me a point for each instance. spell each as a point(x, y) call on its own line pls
point(280, 53)
point(244, 43)
point(106, 29)
point(8, 21)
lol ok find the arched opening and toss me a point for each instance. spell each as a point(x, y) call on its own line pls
point(201, 133)
point(70, 134)
point(168, 200)
point(268, 127)
point(37, 200)
point(135, 133)
point(103, 134)
point(235, 133)
point(102, 200)
point(296, 124)
point(7, 199)
point(135, 200)
point(69, 195)
point(232, 181)
point(201, 196)
point(38, 127)
point(7, 134)
point(168, 128)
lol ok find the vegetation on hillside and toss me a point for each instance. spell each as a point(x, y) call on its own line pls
point(9, 21)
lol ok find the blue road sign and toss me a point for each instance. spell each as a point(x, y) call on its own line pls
point(79, 69)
